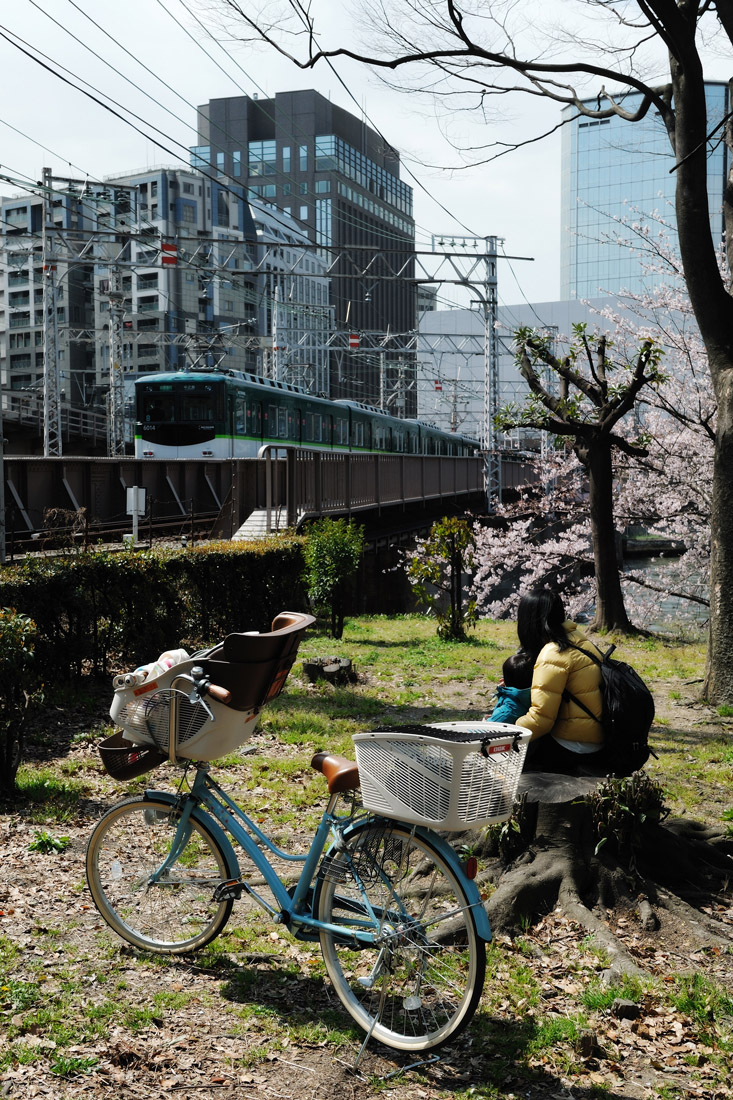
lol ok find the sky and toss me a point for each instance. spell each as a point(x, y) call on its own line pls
point(160, 59)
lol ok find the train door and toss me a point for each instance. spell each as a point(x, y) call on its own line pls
point(229, 423)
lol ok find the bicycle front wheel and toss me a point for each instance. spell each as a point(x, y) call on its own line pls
point(419, 983)
point(173, 912)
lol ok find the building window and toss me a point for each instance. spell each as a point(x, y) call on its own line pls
point(201, 156)
point(188, 189)
point(237, 162)
point(188, 212)
point(223, 208)
point(303, 158)
point(303, 187)
point(220, 164)
point(303, 214)
point(323, 221)
point(262, 158)
point(286, 158)
point(322, 187)
point(262, 191)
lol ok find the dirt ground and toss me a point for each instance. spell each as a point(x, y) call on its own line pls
point(247, 1018)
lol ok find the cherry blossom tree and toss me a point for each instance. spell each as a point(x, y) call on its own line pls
point(544, 537)
point(585, 400)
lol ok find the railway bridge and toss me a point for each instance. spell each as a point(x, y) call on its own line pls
point(285, 487)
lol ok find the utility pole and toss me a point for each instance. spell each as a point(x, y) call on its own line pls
point(116, 393)
point(488, 302)
point(51, 389)
point(491, 375)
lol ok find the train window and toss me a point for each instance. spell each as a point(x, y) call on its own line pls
point(342, 431)
point(197, 407)
point(240, 415)
point(254, 420)
point(358, 434)
point(155, 409)
point(282, 423)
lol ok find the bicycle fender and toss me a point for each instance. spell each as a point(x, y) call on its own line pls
point(213, 826)
point(483, 928)
point(450, 856)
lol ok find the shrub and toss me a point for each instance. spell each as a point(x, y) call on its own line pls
point(332, 556)
point(98, 607)
point(18, 689)
point(622, 807)
point(439, 562)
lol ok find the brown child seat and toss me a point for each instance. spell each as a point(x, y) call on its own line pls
point(254, 667)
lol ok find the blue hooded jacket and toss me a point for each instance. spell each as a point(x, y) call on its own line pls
point(512, 703)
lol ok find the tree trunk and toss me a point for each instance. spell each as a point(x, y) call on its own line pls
point(610, 608)
point(719, 672)
point(713, 310)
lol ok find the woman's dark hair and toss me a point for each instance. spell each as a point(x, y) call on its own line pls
point(539, 620)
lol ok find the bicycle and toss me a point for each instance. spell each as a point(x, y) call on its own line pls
point(400, 921)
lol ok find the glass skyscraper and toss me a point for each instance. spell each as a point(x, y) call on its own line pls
point(618, 174)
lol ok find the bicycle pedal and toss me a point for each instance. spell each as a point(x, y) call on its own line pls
point(231, 890)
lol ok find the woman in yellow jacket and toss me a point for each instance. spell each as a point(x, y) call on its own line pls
point(564, 738)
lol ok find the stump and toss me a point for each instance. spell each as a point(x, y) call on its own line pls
point(337, 670)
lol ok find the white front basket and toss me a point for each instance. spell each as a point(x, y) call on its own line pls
point(438, 775)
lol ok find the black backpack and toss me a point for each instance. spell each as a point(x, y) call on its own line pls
point(627, 714)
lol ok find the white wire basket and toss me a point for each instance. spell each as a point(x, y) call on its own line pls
point(151, 712)
point(452, 775)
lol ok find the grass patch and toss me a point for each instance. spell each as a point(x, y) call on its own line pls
point(708, 1004)
point(53, 798)
point(599, 996)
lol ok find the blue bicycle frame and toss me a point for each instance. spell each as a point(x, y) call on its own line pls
point(209, 804)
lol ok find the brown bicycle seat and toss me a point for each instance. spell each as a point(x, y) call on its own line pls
point(342, 774)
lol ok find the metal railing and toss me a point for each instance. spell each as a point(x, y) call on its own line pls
point(321, 483)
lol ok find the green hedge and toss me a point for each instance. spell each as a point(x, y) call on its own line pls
point(99, 608)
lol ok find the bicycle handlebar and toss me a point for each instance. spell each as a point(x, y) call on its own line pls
point(221, 694)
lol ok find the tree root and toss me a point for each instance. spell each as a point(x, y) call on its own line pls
point(533, 888)
point(710, 932)
point(561, 869)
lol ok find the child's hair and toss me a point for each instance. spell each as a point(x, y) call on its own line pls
point(517, 669)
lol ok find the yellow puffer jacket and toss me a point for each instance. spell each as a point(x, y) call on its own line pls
point(554, 671)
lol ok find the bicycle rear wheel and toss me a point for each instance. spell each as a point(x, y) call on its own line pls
point(175, 913)
point(419, 984)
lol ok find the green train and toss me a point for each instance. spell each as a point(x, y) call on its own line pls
point(230, 414)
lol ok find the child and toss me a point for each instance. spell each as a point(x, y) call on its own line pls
point(513, 692)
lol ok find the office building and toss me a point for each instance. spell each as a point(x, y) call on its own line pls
point(306, 156)
point(615, 174)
